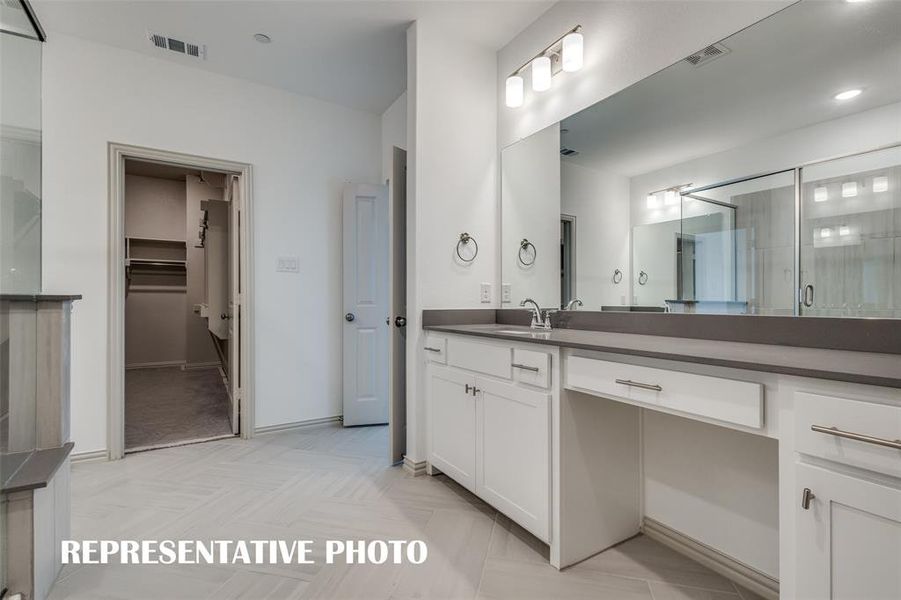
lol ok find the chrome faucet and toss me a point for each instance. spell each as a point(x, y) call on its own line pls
point(573, 303)
point(537, 321)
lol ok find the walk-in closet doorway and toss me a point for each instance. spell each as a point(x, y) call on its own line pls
point(180, 363)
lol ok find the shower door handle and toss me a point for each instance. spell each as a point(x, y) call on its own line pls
point(807, 295)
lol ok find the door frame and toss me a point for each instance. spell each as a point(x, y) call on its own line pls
point(117, 155)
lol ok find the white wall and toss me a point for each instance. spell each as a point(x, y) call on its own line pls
point(394, 132)
point(452, 187)
point(624, 43)
point(597, 198)
point(302, 151)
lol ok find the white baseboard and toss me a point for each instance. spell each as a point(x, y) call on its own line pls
point(413, 467)
point(90, 456)
point(742, 574)
point(201, 365)
point(156, 365)
point(296, 425)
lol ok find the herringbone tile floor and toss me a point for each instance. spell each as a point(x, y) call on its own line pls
point(333, 483)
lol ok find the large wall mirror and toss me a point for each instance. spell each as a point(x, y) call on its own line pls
point(761, 175)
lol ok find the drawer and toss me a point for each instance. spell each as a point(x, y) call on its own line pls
point(479, 357)
point(532, 368)
point(877, 422)
point(436, 349)
point(727, 400)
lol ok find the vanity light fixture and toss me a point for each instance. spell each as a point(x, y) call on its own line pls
point(573, 45)
point(825, 232)
point(653, 201)
point(541, 74)
point(880, 184)
point(670, 197)
point(514, 91)
point(844, 230)
point(820, 194)
point(849, 189)
point(565, 54)
point(848, 94)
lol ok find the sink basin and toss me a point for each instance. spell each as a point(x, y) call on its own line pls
point(514, 331)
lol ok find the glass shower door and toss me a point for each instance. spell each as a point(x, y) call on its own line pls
point(850, 250)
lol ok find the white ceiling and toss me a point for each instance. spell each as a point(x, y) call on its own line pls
point(350, 52)
point(781, 75)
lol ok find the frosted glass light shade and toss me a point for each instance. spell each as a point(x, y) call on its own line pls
point(670, 198)
point(844, 230)
point(849, 189)
point(825, 232)
point(880, 184)
point(653, 201)
point(541, 74)
point(820, 194)
point(514, 91)
point(572, 52)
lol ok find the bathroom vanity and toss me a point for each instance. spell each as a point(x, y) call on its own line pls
point(551, 429)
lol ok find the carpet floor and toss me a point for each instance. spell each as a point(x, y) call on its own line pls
point(172, 405)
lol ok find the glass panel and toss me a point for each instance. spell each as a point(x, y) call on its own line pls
point(20, 164)
point(735, 248)
point(851, 236)
point(14, 19)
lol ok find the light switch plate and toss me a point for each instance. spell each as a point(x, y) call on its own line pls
point(506, 293)
point(485, 293)
point(288, 264)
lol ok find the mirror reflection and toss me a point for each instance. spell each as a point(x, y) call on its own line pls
point(760, 175)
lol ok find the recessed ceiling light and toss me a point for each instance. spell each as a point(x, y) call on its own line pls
point(262, 38)
point(847, 94)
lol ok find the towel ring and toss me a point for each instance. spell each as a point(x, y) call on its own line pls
point(642, 278)
point(465, 238)
point(524, 245)
point(617, 276)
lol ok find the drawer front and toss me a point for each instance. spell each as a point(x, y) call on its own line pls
point(436, 349)
point(727, 400)
point(532, 368)
point(878, 423)
point(479, 357)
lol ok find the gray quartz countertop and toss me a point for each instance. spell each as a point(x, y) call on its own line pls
point(839, 365)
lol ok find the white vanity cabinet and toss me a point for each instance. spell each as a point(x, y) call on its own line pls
point(452, 413)
point(491, 433)
point(513, 469)
point(848, 538)
point(848, 508)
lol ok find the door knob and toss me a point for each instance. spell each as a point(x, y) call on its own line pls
point(400, 321)
point(225, 316)
point(349, 317)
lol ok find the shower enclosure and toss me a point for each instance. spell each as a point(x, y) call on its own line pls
point(823, 239)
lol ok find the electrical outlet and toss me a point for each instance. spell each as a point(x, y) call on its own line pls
point(506, 293)
point(485, 293)
point(288, 264)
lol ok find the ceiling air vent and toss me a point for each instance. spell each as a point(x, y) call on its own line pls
point(568, 152)
point(179, 46)
point(702, 57)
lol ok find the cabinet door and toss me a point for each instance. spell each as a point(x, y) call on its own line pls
point(849, 539)
point(514, 453)
point(452, 418)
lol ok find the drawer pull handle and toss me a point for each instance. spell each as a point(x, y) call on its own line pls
point(896, 444)
point(429, 349)
point(525, 367)
point(644, 386)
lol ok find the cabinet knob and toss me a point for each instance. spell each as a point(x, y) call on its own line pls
point(806, 497)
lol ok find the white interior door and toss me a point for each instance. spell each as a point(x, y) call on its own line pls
point(397, 383)
point(216, 261)
point(234, 303)
point(366, 307)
